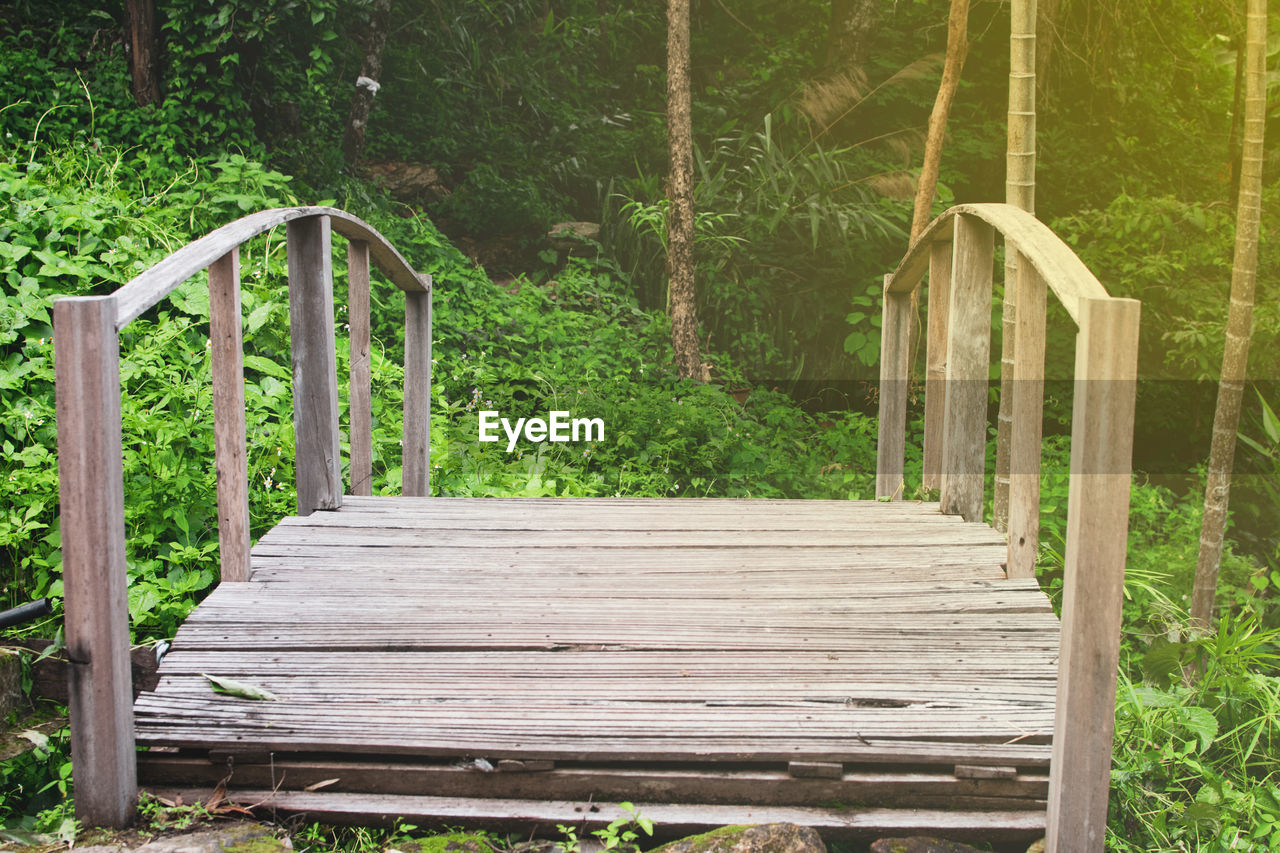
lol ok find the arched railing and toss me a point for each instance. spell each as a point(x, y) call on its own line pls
point(87, 357)
point(958, 252)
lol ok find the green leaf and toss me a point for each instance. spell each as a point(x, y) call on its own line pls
point(1202, 724)
point(1270, 423)
point(266, 366)
point(231, 687)
point(257, 317)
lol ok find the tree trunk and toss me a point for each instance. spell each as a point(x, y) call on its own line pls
point(1020, 191)
point(926, 186)
point(367, 83)
point(1235, 356)
point(849, 38)
point(680, 287)
point(144, 50)
point(957, 48)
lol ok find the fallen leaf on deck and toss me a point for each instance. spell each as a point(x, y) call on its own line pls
point(231, 687)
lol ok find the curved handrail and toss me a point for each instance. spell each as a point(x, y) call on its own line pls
point(148, 288)
point(1058, 265)
point(958, 251)
point(87, 364)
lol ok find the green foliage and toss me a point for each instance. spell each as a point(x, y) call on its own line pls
point(33, 783)
point(82, 221)
point(786, 229)
point(619, 835)
point(1176, 257)
point(1196, 761)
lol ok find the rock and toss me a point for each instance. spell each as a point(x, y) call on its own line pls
point(920, 844)
point(408, 181)
point(765, 838)
point(244, 837)
point(567, 236)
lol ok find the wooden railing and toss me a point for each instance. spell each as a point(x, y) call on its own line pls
point(86, 338)
point(958, 251)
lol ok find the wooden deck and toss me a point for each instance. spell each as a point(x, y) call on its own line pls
point(859, 666)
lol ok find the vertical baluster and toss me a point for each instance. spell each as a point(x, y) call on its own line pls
point(360, 411)
point(91, 487)
point(315, 371)
point(227, 354)
point(1004, 415)
point(894, 367)
point(935, 382)
point(968, 369)
point(417, 391)
point(1097, 529)
point(1027, 411)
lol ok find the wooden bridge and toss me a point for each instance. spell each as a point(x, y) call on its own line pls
point(862, 667)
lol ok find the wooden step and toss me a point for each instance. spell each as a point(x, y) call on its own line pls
point(527, 816)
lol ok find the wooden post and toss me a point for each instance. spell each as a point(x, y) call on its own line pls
point(894, 367)
point(226, 347)
point(417, 393)
point(1027, 411)
point(315, 370)
point(1008, 369)
point(1097, 528)
point(360, 410)
point(964, 423)
point(935, 381)
point(90, 468)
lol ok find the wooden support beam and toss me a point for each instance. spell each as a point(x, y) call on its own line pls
point(968, 369)
point(229, 434)
point(815, 769)
point(360, 405)
point(525, 765)
point(894, 344)
point(1027, 412)
point(315, 368)
point(982, 771)
point(1097, 529)
point(417, 393)
point(91, 494)
point(935, 381)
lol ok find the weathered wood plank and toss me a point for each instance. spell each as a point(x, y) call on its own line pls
point(685, 539)
point(1097, 529)
point(229, 434)
point(902, 789)
point(91, 496)
point(360, 393)
point(815, 769)
point(1028, 416)
point(315, 367)
point(674, 820)
point(968, 370)
point(416, 443)
point(978, 771)
point(935, 383)
point(895, 346)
